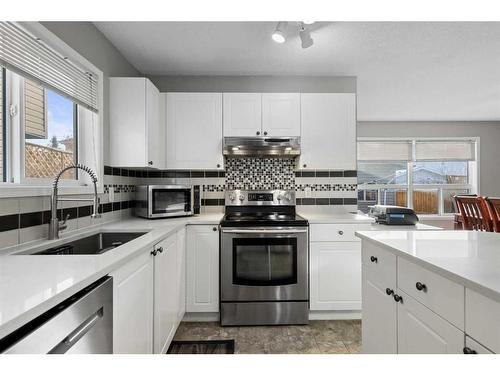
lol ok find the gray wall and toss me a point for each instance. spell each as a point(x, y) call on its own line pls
point(254, 83)
point(487, 131)
point(87, 40)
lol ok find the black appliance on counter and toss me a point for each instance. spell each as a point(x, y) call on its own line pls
point(393, 215)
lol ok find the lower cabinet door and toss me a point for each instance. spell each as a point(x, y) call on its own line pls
point(181, 277)
point(133, 306)
point(202, 293)
point(421, 331)
point(379, 333)
point(335, 272)
point(165, 294)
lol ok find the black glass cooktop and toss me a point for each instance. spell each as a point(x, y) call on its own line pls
point(239, 219)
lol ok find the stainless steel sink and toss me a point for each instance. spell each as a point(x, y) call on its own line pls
point(94, 244)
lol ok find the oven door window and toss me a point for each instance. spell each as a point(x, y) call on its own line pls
point(264, 261)
point(171, 200)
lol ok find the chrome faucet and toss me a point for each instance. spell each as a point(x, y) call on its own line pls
point(54, 224)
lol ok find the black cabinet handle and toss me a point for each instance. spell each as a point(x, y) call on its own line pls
point(258, 133)
point(373, 259)
point(218, 165)
point(468, 350)
point(397, 298)
point(154, 252)
point(160, 249)
point(420, 286)
point(341, 232)
point(265, 133)
point(389, 291)
point(305, 165)
point(214, 229)
point(150, 162)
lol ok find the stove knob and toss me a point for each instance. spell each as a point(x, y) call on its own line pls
point(232, 197)
point(279, 198)
point(242, 198)
point(288, 197)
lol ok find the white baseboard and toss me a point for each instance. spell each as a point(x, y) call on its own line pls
point(335, 315)
point(201, 317)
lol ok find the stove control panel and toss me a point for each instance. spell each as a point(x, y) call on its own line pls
point(260, 198)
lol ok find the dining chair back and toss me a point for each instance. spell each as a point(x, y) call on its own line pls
point(494, 210)
point(475, 213)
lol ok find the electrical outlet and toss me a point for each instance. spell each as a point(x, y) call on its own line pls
point(111, 195)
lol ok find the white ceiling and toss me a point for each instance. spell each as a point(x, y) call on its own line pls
point(405, 70)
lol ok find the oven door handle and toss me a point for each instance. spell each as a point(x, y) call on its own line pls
point(264, 231)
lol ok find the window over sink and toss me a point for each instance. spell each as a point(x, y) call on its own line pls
point(420, 173)
point(49, 112)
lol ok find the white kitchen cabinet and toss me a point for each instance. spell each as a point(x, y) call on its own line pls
point(202, 273)
point(136, 130)
point(422, 331)
point(328, 131)
point(335, 273)
point(193, 130)
point(482, 319)
point(133, 306)
point(379, 334)
point(165, 293)
point(242, 115)
point(281, 114)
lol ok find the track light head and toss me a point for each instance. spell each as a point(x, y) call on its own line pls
point(305, 37)
point(279, 35)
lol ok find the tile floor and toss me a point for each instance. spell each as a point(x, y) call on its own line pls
point(319, 337)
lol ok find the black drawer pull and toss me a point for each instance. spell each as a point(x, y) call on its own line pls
point(389, 291)
point(469, 351)
point(421, 286)
point(373, 259)
point(397, 298)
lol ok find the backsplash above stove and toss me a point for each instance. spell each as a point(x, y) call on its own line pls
point(254, 173)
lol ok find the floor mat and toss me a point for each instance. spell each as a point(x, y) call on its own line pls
point(202, 347)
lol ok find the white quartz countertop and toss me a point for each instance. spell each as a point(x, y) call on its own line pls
point(468, 257)
point(32, 284)
point(351, 218)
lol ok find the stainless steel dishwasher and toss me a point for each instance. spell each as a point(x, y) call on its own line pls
point(83, 323)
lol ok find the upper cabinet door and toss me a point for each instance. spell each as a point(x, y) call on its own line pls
point(154, 128)
point(242, 114)
point(281, 114)
point(328, 131)
point(194, 130)
point(135, 127)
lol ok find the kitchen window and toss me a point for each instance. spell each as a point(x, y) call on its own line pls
point(420, 173)
point(49, 111)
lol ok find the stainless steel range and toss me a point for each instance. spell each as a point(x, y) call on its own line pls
point(264, 259)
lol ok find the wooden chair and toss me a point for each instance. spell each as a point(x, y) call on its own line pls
point(458, 222)
point(475, 213)
point(494, 210)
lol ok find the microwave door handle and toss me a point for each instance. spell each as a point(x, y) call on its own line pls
point(265, 231)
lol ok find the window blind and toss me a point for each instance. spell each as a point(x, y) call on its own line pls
point(381, 151)
point(29, 56)
point(449, 150)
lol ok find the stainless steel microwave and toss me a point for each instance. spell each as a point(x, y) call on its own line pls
point(156, 201)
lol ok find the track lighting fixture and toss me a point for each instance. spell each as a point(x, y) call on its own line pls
point(279, 35)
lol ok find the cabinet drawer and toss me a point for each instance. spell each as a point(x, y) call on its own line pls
point(475, 347)
point(439, 294)
point(482, 319)
point(380, 263)
point(336, 232)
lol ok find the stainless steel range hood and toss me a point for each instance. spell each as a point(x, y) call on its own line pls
point(262, 146)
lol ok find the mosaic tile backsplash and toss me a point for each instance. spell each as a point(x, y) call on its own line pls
point(260, 173)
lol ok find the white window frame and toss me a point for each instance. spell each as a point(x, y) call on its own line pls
point(473, 169)
point(17, 185)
